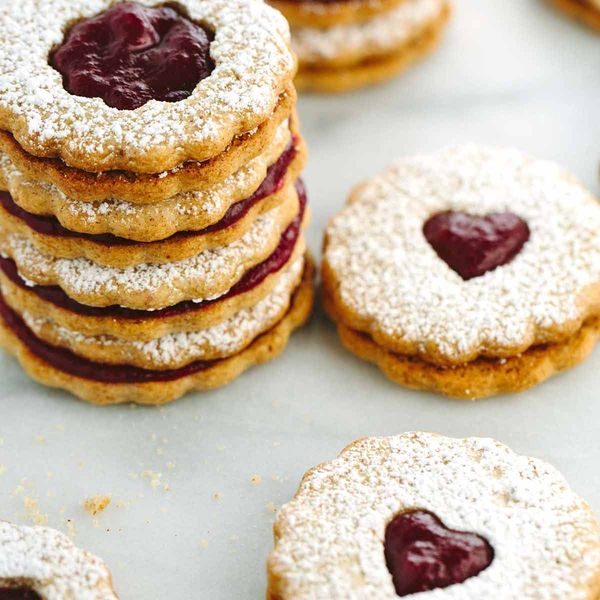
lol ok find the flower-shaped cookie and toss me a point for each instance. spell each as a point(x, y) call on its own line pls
point(455, 519)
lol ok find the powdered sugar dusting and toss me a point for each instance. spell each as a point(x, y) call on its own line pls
point(253, 66)
point(177, 349)
point(394, 282)
point(330, 537)
point(382, 33)
point(55, 568)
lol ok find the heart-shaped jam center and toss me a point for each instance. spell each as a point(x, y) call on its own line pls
point(20, 593)
point(423, 554)
point(132, 54)
point(473, 245)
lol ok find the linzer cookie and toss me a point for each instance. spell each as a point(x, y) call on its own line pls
point(152, 215)
point(586, 11)
point(39, 563)
point(470, 272)
point(455, 519)
point(343, 45)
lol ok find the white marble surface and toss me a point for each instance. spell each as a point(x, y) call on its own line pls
point(508, 72)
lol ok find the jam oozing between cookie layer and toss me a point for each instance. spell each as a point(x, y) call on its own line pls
point(251, 279)
point(422, 554)
point(472, 245)
point(50, 225)
point(132, 54)
point(18, 594)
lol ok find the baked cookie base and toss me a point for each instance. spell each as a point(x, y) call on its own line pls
point(179, 349)
point(317, 14)
point(173, 249)
point(23, 299)
point(580, 10)
point(262, 350)
point(148, 188)
point(483, 377)
point(170, 283)
point(190, 211)
point(370, 71)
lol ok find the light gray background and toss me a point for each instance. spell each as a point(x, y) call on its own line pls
point(508, 72)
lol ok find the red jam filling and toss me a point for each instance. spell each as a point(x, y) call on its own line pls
point(252, 278)
point(422, 554)
point(18, 594)
point(473, 245)
point(66, 361)
point(50, 225)
point(132, 54)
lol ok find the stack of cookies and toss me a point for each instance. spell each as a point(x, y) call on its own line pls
point(347, 44)
point(152, 219)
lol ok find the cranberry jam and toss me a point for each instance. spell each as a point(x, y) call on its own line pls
point(18, 594)
point(132, 54)
point(422, 554)
point(473, 245)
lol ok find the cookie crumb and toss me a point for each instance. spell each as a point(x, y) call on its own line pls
point(96, 505)
point(71, 532)
point(217, 496)
point(204, 543)
point(271, 507)
point(34, 514)
point(256, 480)
point(153, 478)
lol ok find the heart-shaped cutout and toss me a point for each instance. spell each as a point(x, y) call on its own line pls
point(422, 554)
point(473, 245)
point(20, 593)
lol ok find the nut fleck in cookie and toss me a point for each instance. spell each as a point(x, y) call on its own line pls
point(443, 518)
point(586, 11)
point(152, 213)
point(39, 563)
point(348, 55)
point(470, 272)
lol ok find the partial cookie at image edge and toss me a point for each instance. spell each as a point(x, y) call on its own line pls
point(369, 72)
point(581, 11)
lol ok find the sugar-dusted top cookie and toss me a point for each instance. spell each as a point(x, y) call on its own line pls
point(456, 519)
point(469, 251)
point(139, 86)
point(39, 562)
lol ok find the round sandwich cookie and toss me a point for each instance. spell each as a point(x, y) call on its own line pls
point(349, 55)
point(585, 11)
point(280, 164)
point(39, 563)
point(150, 286)
point(425, 516)
point(175, 366)
point(66, 94)
point(470, 272)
